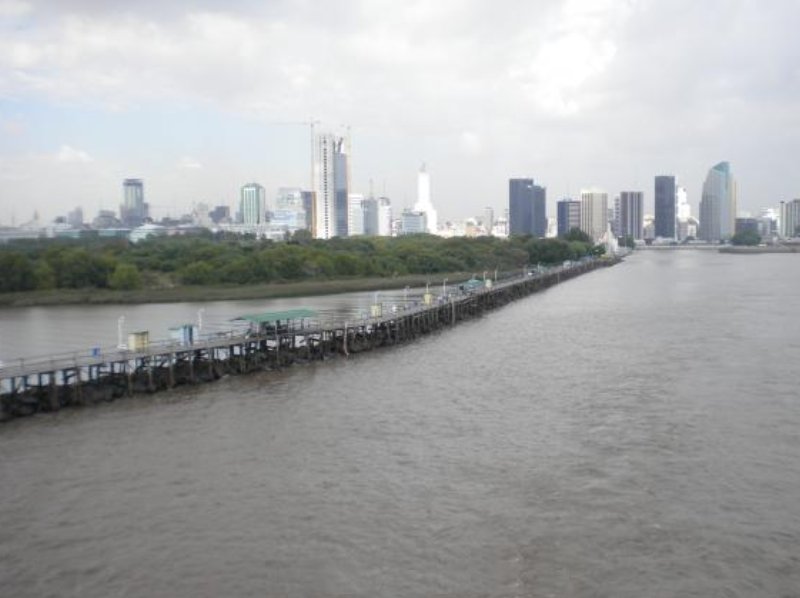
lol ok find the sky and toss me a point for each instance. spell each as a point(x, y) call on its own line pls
point(199, 97)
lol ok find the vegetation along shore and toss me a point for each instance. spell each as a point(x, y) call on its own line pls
point(219, 267)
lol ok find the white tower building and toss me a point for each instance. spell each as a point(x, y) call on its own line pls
point(684, 209)
point(594, 213)
point(424, 199)
point(355, 223)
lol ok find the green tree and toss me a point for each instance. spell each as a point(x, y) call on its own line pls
point(576, 234)
point(198, 273)
point(125, 277)
point(16, 272)
point(44, 275)
point(746, 237)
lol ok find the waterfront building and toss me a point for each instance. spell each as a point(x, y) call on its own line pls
point(665, 202)
point(747, 225)
point(629, 218)
point(423, 203)
point(594, 213)
point(687, 228)
point(569, 215)
point(133, 211)
point(789, 219)
point(331, 175)
point(718, 204)
point(413, 222)
point(252, 205)
point(527, 208)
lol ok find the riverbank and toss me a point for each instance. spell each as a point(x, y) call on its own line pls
point(760, 249)
point(197, 293)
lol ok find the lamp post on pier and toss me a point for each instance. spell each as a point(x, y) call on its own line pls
point(120, 324)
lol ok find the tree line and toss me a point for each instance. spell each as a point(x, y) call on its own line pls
point(217, 259)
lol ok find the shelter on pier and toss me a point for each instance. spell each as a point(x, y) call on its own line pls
point(279, 321)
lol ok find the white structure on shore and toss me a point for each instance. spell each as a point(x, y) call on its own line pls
point(424, 199)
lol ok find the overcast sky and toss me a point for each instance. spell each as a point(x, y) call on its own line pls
point(198, 98)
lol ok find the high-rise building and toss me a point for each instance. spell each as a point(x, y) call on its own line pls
point(289, 214)
point(331, 183)
point(355, 224)
point(594, 213)
point(413, 222)
point(789, 218)
point(630, 215)
point(569, 215)
point(309, 207)
point(718, 204)
point(133, 211)
point(683, 208)
point(423, 203)
point(665, 201)
point(378, 216)
point(488, 219)
point(252, 204)
point(527, 208)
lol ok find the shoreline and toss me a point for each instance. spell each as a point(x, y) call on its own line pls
point(202, 293)
point(744, 249)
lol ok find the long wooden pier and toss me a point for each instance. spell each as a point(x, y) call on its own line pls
point(49, 384)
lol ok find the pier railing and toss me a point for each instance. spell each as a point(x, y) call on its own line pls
point(39, 379)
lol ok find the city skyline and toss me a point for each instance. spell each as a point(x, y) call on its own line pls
point(197, 101)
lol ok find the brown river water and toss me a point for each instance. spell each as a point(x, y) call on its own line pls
point(633, 432)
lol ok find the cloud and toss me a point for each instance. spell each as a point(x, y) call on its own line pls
point(189, 163)
point(470, 143)
point(70, 155)
point(14, 8)
point(572, 92)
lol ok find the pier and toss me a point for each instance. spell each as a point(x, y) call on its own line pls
point(279, 340)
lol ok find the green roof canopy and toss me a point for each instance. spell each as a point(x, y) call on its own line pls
point(274, 316)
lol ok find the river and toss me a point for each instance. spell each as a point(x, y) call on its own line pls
point(629, 433)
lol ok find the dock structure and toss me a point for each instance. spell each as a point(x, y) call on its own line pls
point(274, 341)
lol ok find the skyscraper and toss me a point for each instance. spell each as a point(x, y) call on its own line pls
point(631, 205)
point(413, 222)
point(252, 204)
point(488, 219)
point(594, 213)
point(789, 217)
point(133, 210)
point(423, 203)
point(331, 182)
point(718, 204)
point(378, 216)
point(527, 208)
point(569, 215)
point(289, 212)
point(355, 224)
point(665, 200)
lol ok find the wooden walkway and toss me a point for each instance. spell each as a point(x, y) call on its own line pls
point(28, 386)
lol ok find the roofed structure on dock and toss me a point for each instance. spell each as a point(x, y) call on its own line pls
point(271, 317)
